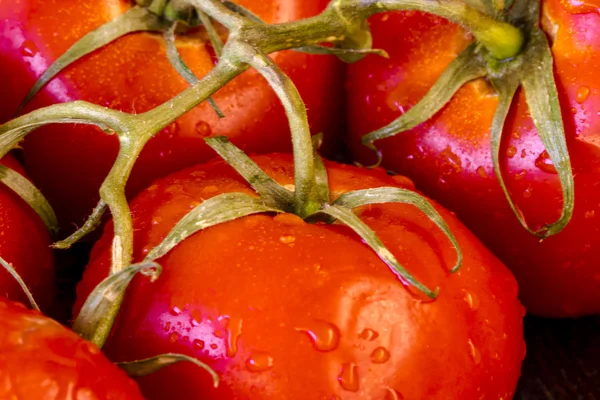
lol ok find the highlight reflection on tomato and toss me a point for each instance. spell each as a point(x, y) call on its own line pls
point(285, 309)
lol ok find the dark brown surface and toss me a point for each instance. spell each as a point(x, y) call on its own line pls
point(563, 360)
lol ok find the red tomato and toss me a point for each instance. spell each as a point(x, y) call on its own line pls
point(133, 74)
point(25, 244)
point(449, 157)
point(285, 309)
point(41, 359)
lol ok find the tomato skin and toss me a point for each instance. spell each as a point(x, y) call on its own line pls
point(41, 359)
point(449, 157)
point(25, 244)
point(133, 75)
point(242, 296)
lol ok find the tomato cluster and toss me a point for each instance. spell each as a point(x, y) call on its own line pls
point(283, 302)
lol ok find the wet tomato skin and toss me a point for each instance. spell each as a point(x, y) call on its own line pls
point(449, 156)
point(285, 309)
point(42, 359)
point(25, 244)
point(133, 75)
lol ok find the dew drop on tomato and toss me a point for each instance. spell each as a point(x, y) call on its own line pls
point(511, 151)
point(173, 337)
point(544, 163)
point(198, 344)
point(324, 335)
point(28, 48)
point(391, 394)
point(368, 334)
point(481, 172)
point(348, 377)
point(203, 129)
point(380, 355)
point(471, 299)
point(475, 353)
point(259, 361)
point(175, 311)
point(234, 331)
point(583, 93)
point(85, 394)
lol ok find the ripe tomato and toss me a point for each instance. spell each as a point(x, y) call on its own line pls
point(134, 75)
point(449, 157)
point(41, 359)
point(285, 309)
point(25, 244)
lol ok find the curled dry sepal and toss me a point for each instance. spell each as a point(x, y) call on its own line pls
point(342, 25)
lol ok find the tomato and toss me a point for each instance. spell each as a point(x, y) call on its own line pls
point(25, 244)
point(41, 359)
point(449, 157)
point(69, 163)
point(285, 309)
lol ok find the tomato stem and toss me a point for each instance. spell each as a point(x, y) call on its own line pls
point(502, 40)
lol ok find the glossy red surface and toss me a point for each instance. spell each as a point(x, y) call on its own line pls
point(449, 157)
point(285, 309)
point(41, 359)
point(25, 244)
point(133, 74)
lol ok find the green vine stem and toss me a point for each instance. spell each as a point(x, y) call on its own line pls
point(249, 42)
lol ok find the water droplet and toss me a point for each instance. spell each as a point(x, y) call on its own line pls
point(91, 348)
point(175, 311)
point(391, 394)
point(520, 175)
point(15, 338)
point(582, 94)
point(481, 172)
point(523, 153)
point(544, 163)
point(527, 192)
point(167, 327)
point(452, 161)
point(380, 355)
point(234, 330)
point(471, 299)
point(324, 336)
point(287, 239)
point(85, 394)
point(214, 346)
point(171, 130)
point(259, 361)
point(203, 129)
point(368, 334)
point(156, 220)
point(516, 134)
point(590, 214)
point(173, 337)
point(28, 48)
point(511, 151)
point(218, 334)
point(475, 353)
point(348, 378)
point(199, 344)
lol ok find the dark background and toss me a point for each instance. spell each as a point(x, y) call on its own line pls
point(563, 360)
